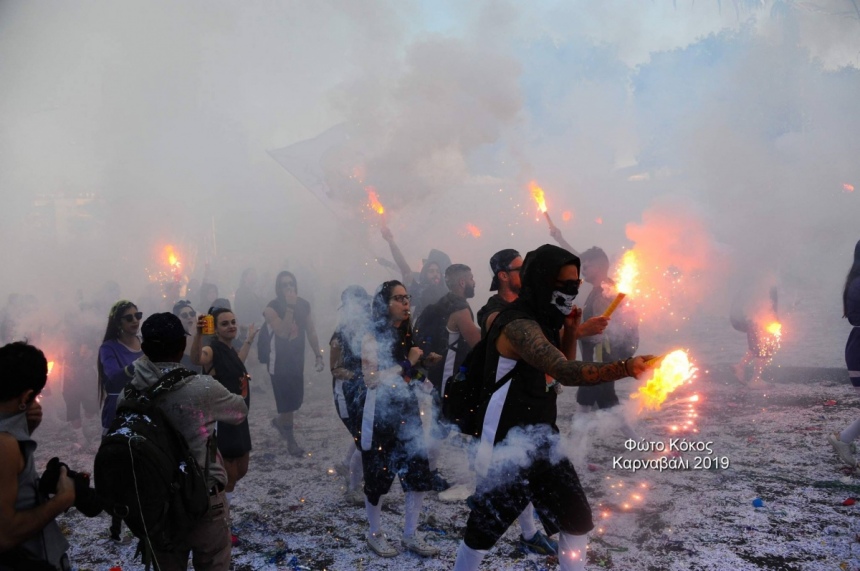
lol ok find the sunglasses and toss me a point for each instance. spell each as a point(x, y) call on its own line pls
point(131, 317)
point(570, 287)
point(401, 298)
point(188, 314)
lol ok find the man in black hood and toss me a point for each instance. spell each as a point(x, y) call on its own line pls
point(426, 287)
point(520, 458)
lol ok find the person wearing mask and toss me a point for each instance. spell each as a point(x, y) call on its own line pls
point(119, 350)
point(843, 442)
point(520, 457)
point(392, 437)
point(282, 348)
point(29, 535)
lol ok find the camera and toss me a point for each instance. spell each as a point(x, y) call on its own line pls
point(86, 500)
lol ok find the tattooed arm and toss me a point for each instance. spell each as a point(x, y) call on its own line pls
point(523, 339)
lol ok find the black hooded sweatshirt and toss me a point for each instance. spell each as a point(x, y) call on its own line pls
point(528, 401)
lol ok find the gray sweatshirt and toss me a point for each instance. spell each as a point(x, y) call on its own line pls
point(194, 405)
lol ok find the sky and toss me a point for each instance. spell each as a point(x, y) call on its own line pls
point(717, 137)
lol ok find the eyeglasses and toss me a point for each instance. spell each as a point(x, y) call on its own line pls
point(131, 317)
point(188, 314)
point(401, 298)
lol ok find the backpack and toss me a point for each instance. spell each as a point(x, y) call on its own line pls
point(464, 401)
point(146, 474)
point(431, 335)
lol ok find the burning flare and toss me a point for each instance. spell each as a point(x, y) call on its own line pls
point(172, 259)
point(625, 280)
point(537, 194)
point(674, 370)
point(774, 328)
point(473, 230)
point(373, 199)
point(50, 367)
point(847, 187)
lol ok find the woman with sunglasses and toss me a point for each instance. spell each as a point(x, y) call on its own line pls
point(220, 360)
point(186, 314)
point(119, 350)
point(392, 437)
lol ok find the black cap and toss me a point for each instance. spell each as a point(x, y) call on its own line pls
point(501, 262)
point(162, 327)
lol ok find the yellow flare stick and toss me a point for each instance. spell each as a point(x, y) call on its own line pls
point(614, 305)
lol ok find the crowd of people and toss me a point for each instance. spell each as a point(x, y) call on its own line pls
point(393, 357)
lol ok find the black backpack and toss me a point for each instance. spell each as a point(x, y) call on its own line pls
point(431, 335)
point(464, 401)
point(146, 474)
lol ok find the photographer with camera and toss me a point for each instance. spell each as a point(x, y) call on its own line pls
point(29, 536)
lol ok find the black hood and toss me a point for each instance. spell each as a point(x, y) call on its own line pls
point(538, 274)
point(439, 258)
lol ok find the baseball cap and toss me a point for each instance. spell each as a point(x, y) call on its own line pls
point(162, 327)
point(501, 262)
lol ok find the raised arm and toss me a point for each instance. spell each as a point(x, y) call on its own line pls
point(523, 338)
point(557, 236)
point(399, 259)
point(249, 342)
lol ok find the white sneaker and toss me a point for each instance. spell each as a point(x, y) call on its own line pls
point(843, 450)
point(378, 542)
point(416, 544)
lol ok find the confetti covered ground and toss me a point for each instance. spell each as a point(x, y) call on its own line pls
point(290, 513)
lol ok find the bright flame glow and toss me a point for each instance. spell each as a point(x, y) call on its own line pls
point(774, 328)
point(599, 220)
point(375, 205)
point(675, 369)
point(50, 367)
point(627, 273)
point(847, 187)
point(538, 195)
point(566, 216)
point(473, 230)
point(172, 258)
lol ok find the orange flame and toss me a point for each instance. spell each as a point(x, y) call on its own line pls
point(675, 369)
point(473, 230)
point(50, 367)
point(375, 205)
point(538, 195)
point(566, 216)
point(847, 187)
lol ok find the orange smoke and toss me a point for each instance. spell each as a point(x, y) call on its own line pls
point(566, 216)
point(680, 266)
point(473, 230)
point(675, 369)
point(598, 220)
point(538, 195)
point(847, 187)
point(373, 199)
